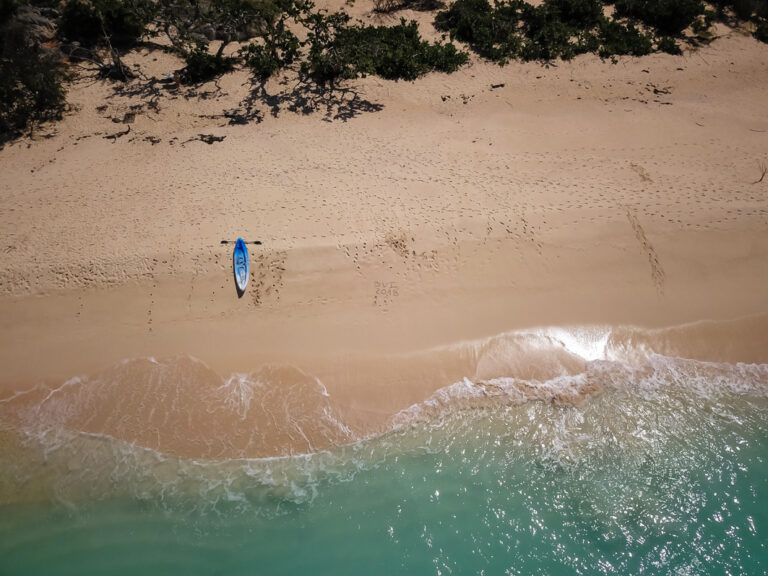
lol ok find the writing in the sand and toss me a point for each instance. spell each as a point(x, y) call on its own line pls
point(385, 293)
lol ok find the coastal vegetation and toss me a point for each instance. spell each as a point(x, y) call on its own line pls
point(339, 50)
point(510, 29)
point(31, 75)
point(40, 40)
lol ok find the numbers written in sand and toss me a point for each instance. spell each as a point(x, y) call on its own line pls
point(385, 293)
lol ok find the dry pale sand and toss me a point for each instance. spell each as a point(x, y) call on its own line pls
point(403, 217)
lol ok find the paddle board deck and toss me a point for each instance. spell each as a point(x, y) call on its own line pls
point(242, 265)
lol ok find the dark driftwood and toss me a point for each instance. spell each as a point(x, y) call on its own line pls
point(117, 135)
point(210, 138)
point(763, 171)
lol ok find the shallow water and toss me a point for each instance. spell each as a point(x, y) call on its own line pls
point(660, 467)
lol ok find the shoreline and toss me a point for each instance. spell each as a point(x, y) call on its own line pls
point(182, 408)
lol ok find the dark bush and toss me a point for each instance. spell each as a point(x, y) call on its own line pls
point(761, 30)
point(262, 61)
point(548, 37)
point(667, 44)
point(339, 51)
point(702, 24)
point(555, 29)
point(388, 6)
point(490, 31)
point(467, 20)
point(580, 14)
point(7, 10)
point(31, 77)
point(669, 17)
point(203, 66)
point(280, 49)
point(397, 52)
point(87, 21)
point(744, 9)
point(55, 4)
point(80, 22)
point(617, 39)
point(325, 63)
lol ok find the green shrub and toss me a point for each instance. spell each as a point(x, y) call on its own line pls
point(489, 31)
point(388, 6)
point(467, 20)
point(340, 51)
point(280, 49)
point(669, 17)
point(701, 25)
point(87, 21)
point(492, 32)
point(260, 60)
point(31, 78)
point(203, 66)
point(580, 14)
point(744, 9)
point(31, 91)
point(617, 39)
point(667, 44)
point(548, 37)
point(553, 29)
point(761, 30)
point(7, 10)
point(80, 22)
point(398, 52)
point(325, 63)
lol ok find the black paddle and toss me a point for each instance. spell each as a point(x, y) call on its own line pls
point(233, 241)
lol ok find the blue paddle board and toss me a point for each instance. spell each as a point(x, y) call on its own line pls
point(242, 266)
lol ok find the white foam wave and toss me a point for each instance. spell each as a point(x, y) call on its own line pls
point(238, 393)
point(467, 394)
point(587, 342)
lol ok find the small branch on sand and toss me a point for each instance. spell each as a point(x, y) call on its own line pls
point(116, 70)
point(210, 138)
point(117, 135)
point(207, 138)
point(763, 171)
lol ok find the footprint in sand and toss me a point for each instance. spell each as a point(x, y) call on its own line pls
point(267, 277)
point(642, 172)
point(657, 272)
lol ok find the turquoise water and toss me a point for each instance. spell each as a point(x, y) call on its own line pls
point(663, 470)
